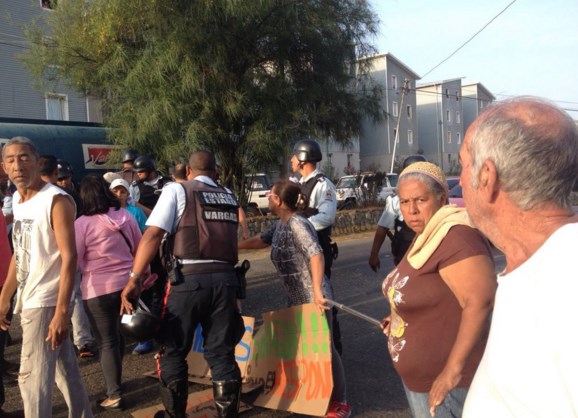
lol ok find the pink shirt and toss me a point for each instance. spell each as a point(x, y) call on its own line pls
point(104, 256)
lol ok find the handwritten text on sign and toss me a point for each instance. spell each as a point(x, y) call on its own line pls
point(292, 360)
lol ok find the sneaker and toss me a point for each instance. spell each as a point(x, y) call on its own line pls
point(143, 348)
point(338, 410)
point(86, 352)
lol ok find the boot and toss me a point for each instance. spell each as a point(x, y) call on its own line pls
point(174, 397)
point(226, 394)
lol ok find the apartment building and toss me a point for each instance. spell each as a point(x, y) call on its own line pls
point(476, 97)
point(19, 98)
point(396, 135)
point(440, 122)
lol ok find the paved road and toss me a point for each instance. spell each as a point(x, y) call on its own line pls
point(374, 390)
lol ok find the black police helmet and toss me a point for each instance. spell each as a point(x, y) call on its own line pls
point(129, 155)
point(141, 326)
point(144, 163)
point(413, 159)
point(307, 150)
point(64, 169)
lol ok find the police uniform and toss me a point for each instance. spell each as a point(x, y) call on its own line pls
point(201, 219)
point(322, 197)
point(147, 193)
point(392, 219)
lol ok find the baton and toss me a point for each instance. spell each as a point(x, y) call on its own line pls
point(353, 312)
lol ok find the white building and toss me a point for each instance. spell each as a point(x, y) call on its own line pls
point(440, 120)
point(475, 98)
point(18, 97)
point(377, 146)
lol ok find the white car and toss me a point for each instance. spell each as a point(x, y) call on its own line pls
point(257, 187)
point(364, 188)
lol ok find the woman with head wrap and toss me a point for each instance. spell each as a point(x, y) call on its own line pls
point(441, 295)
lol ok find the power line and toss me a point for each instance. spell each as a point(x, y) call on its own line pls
point(471, 38)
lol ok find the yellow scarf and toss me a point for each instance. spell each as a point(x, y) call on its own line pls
point(435, 231)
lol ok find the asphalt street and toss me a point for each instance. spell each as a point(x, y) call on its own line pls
point(374, 389)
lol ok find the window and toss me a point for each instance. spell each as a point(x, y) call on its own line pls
point(394, 82)
point(447, 92)
point(395, 135)
point(349, 160)
point(449, 137)
point(410, 137)
point(457, 96)
point(458, 117)
point(56, 106)
point(395, 109)
point(448, 116)
point(459, 138)
point(49, 4)
point(409, 112)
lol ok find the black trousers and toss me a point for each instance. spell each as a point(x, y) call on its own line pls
point(208, 299)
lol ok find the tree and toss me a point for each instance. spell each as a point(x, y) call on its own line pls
point(244, 79)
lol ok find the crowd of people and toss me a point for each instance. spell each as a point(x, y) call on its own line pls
point(464, 341)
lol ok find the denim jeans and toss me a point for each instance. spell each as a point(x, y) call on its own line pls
point(103, 314)
point(41, 367)
point(81, 335)
point(451, 407)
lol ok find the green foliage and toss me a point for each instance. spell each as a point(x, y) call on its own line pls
point(241, 78)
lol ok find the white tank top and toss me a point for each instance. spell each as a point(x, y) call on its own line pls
point(38, 260)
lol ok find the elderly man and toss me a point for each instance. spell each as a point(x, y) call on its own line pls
point(42, 270)
point(520, 162)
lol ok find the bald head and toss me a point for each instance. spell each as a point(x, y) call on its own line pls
point(534, 147)
point(202, 162)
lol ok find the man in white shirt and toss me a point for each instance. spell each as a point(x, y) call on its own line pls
point(42, 269)
point(520, 162)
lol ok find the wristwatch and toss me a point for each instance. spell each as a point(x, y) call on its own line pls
point(133, 275)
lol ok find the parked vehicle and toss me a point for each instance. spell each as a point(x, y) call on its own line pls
point(452, 181)
point(257, 186)
point(455, 196)
point(364, 188)
point(84, 145)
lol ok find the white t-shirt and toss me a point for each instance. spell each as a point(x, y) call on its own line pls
point(38, 260)
point(390, 213)
point(530, 365)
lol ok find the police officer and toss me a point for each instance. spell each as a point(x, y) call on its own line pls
point(146, 189)
point(145, 192)
point(323, 207)
point(392, 220)
point(127, 159)
point(201, 221)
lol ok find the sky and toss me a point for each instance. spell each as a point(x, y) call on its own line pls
point(531, 48)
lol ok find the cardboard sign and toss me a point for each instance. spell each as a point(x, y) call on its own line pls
point(199, 405)
point(292, 360)
point(199, 369)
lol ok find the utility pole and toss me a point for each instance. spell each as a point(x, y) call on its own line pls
point(404, 89)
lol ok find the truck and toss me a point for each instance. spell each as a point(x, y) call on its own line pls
point(258, 187)
point(84, 145)
point(364, 189)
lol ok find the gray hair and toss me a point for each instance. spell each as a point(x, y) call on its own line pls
point(534, 147)
point(21, 140)
point(433, 186)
